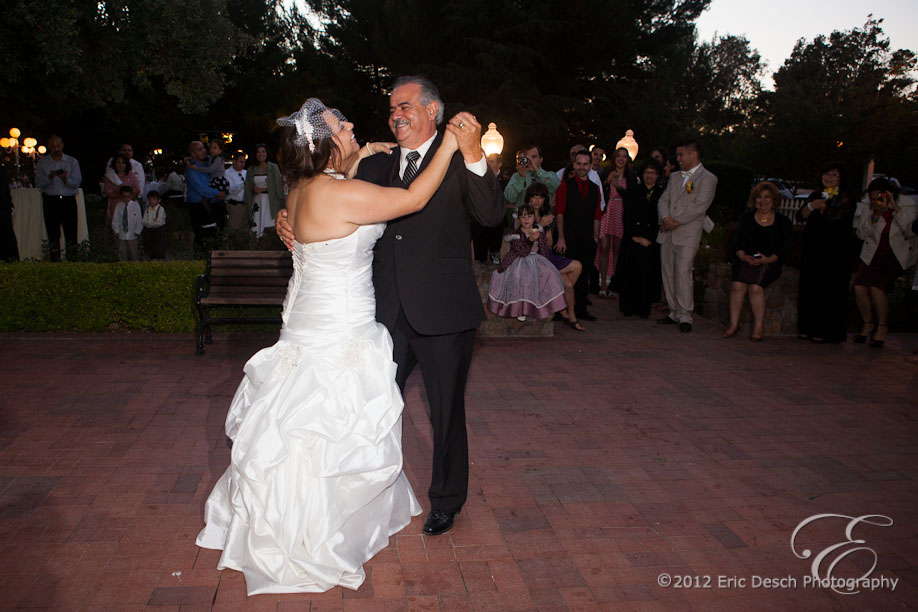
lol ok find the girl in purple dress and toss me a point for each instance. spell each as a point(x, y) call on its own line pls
point(570, 269)
point(526, 283)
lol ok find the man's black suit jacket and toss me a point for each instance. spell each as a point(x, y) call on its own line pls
point(423, 261)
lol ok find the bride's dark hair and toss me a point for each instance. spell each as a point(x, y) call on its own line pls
point(296, 161)
point(306, 144)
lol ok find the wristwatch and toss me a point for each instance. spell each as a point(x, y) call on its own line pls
point(809, 206)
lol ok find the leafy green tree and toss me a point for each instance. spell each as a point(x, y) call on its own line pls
point(844, 96)
point(85, 55)
point(545, 72)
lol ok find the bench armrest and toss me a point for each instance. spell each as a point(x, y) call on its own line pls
point(202, 287)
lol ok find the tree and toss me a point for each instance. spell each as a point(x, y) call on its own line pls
point(543, 72)
point(844, 96)
point(88, 55)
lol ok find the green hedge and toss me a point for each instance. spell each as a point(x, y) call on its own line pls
point(97, 297)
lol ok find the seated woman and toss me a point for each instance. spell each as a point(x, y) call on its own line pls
point(889, 249)
point(638, 269)
point(526, 283)
point(570, 269)
point(761, 243)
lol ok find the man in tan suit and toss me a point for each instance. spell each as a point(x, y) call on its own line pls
point(682, 209)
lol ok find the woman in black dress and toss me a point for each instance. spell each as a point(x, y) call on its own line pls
point(760, 244)
point(639, 266)
point(825, 265)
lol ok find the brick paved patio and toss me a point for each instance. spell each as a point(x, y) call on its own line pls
point(600, 461)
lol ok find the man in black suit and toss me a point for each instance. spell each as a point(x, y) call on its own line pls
point(426, 292)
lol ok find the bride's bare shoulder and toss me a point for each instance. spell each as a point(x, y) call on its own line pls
point(315, 218)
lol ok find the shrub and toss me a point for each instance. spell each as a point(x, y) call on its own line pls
point(95, 297)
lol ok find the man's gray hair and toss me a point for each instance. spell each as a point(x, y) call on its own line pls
point(429, 92)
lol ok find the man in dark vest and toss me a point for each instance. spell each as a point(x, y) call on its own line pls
point(426, 292)
point(578, 211)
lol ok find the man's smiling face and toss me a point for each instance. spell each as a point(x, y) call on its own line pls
point(411, 122)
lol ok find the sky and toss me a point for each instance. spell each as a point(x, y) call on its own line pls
point(774, 27)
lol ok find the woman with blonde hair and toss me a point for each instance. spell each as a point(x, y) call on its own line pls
point(889, 249)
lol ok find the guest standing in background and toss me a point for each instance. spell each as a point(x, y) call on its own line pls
point(884, 224)
point(486, 241)
point(682, 209)
point(528, 171)
point(127, 223)
point(761, 244)
point(264, 191)
point(173, 189)
point(198, 196)
point(215, 168)
point(134, 167)
point(58, 176)
point(154, 227)
point(9, 249)
point(577, 213)
point(638, 270)
point(238, 219)
point(118, 175)
point(618, 181)
point(825, 263)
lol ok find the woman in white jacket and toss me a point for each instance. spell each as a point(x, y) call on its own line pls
point(890, 247)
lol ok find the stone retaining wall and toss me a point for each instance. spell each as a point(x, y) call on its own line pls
point(499, 327)
point(780, 301)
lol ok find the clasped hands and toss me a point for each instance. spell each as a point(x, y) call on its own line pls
point(669, 224)
point(641, 241)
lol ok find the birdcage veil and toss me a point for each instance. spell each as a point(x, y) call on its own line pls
point(311, 123)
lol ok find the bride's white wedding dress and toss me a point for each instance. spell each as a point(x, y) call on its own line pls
point(315, 485)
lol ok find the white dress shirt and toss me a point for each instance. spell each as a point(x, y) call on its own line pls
point(57, 186)
point(479, 167)
point(135, 221)
point(236, 179)
point(154, 217)
point(687, 174)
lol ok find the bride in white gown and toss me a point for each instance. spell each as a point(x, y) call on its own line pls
point(315, 485)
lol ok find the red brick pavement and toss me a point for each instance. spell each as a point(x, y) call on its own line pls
point(600, 461)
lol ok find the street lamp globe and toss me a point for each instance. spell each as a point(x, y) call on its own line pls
point(629, 144)
point(492, 142)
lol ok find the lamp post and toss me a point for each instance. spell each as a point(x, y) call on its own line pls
point(492, 142)
point(28, 146)
point(629, 144)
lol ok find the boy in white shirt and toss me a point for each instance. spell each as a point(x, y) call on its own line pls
point(127, 223)
point(154, 230)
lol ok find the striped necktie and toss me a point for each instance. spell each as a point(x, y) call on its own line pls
point(411, 169)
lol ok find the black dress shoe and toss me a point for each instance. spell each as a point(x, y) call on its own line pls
point(685, 327)
point(585, 316)
point(666, 321)
point(439, 522)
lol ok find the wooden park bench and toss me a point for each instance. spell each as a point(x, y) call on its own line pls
point(251, 279)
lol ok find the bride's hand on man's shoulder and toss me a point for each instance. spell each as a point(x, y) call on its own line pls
point(380, 147)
